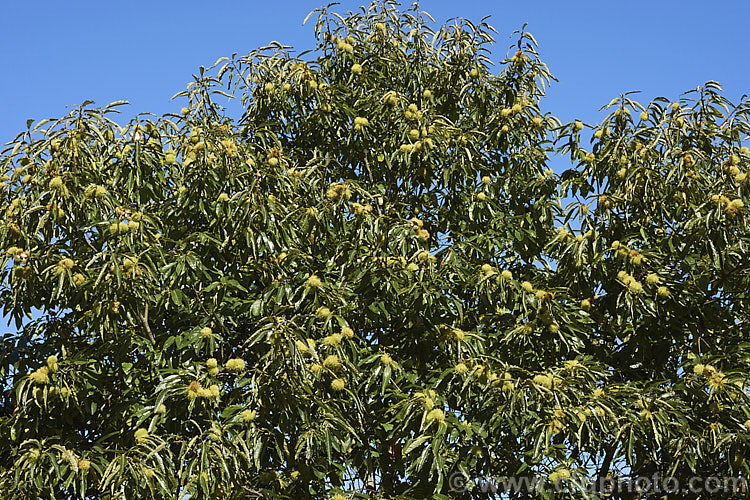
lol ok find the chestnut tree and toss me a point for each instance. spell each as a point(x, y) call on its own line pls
point(369, 280)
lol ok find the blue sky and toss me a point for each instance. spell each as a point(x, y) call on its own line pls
point(55, 54)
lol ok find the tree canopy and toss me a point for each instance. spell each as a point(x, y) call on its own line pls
point(372, 280)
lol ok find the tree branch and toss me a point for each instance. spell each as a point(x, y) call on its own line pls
point(144, 319)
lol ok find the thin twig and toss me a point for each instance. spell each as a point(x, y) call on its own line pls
point(144, 319)
point(372, 181)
